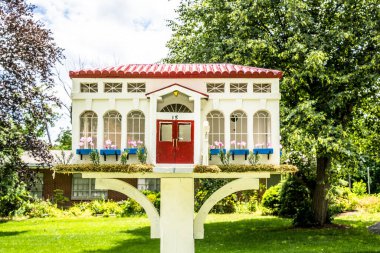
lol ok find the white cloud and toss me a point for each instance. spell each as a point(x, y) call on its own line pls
point(106, 32)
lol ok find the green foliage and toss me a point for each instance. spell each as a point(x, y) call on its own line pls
point(86, 167)
point(342, 200)
point(359, 188)
point(42, 209)
point(154, 197)
point(94, 157)
point(253, 158)
point(225, 159)
point(271, 200)
point(293, 197)
point(283, 168)
point(142, 154)
point(64, 140)
point(124, 158)
point(63, 158)
point(59, 198)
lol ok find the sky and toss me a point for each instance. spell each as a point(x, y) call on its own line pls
point(101, 33)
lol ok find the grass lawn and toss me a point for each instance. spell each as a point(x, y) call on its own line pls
point(224, 233)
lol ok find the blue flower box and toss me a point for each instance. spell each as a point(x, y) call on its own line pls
point(216, 151)
point(243, 152)
point(110, 151)
point(263, 151)
point(84, 151)
point(133, 151)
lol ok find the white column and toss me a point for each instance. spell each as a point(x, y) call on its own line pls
point(100, 143)
point(177, 215)
point(250, 131)
point(227, 131)
point(123, 132)
point(275, 123)
point(75, 127)
point(150, 135)
point(197, 130)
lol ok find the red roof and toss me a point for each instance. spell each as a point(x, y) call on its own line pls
point(216, 70)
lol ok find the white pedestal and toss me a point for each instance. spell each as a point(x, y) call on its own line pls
point(177, 215)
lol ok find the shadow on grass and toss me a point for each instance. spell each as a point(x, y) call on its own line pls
point(11, 233)
point(263, 235)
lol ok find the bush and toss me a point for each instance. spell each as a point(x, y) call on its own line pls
point(271, 200)
point(369, 203)
point(153, 197)
point(41, 209)
point(359, 188)
point(342, 200)
point(294, 195)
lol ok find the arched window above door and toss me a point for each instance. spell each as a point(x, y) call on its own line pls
point(176, 108)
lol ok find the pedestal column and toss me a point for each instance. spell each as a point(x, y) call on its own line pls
point(177, 215)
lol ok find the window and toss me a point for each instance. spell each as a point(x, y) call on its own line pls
point(215, 87)
point(238, 87)
point(261, 130)
point(89, 87)
point(238, 128)
point(113, 87)
point(176, 108)
point(37, 189)
point(136, 87)
point(216, 122)
point(84, 188)
point(88, 129)
point(135, 126)
point(151, 184)
point(262, 88)
point(112, 128)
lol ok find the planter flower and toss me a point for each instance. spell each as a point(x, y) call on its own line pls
point(217, 148)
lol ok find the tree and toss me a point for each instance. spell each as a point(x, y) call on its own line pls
point(28, 55)
point(328, 51)
point(64, 140)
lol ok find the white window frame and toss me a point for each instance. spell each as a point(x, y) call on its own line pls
point(89, 183)
point(90, 127)
point(262, 88)
point(216, 121)
point(135, 129)
point(176, 108)
point(238, 87)
point(113, 87)
point(238, 122)
point(150, 184)
point(112, 134)
point(136, 87)
point(215, 87)
point(262, 129)
point(89, 87)
point(38, 189)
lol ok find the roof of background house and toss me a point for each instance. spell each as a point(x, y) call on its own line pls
point(214, 70)
point(29, 159)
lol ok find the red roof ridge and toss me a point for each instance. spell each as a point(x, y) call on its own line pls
point(181, 70)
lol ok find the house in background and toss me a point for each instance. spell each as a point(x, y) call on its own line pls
point(182, 114)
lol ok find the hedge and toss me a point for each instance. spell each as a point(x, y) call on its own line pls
point(146, 168)
point(89, 167)
point(283, 168)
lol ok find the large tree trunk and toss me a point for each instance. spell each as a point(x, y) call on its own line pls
point(320, 203)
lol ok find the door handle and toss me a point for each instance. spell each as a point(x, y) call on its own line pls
point(173, 142)
point(176, 143)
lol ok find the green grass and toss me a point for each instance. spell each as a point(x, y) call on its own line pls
point(223, 233)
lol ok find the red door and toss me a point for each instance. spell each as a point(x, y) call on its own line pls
point(175, 141)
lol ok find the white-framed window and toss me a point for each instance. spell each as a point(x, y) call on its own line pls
point(216, 122)
point(238, 87)
point(88, 87)
point(112, 128)
point(262, 130)
point(135, 126)
point(215, 87)
point(37, 188)
point(151, 184)
point(113, 87)
point(176, 108)
point(238, 128)
point(84, 189)
point(136, 87)
point(262, 88)
point(88, 128)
